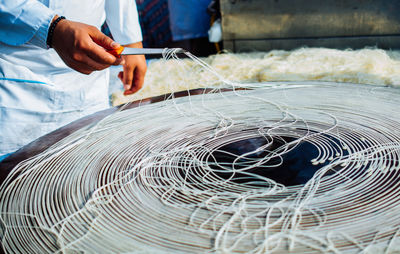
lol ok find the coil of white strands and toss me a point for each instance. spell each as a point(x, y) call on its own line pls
point(300, 167)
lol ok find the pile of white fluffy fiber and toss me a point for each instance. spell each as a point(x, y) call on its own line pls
point(365, 66)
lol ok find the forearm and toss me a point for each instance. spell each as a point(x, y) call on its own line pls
point(23, 21)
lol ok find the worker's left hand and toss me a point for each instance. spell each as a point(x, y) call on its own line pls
point(134, 70)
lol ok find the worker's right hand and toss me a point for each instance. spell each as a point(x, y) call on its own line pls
point(83, 47)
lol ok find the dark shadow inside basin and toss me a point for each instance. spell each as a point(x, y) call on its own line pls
point(293, 167)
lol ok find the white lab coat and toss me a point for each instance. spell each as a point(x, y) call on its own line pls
point(38, 92)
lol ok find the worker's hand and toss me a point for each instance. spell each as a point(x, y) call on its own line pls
point(83, 47)
point(134, 70)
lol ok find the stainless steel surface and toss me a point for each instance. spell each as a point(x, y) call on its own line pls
point(149, 51)
point(286, 24)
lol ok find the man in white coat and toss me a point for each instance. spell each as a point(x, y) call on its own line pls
point(55, 70)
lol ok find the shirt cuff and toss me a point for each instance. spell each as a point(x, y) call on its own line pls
point(40, 37)
point(24, 21)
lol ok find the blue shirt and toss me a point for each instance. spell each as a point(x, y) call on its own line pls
point(24, 20)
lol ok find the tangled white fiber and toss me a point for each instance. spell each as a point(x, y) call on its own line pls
point(305, 167)
point(364, 66)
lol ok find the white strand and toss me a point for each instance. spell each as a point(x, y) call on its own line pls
point(151, 179)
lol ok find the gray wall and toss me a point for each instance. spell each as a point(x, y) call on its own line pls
point(286, 24)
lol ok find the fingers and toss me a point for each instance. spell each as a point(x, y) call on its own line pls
point(103, 40)
point(98, 50)
point(85, 64)
point(98, 54)
point(80, 67)
point(95, 65)
point(137, 80)
point(127, 77)
point(121, 76)
point(133, 73)
point(83, 47)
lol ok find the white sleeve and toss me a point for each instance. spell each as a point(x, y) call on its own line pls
point(123, 20)
point(24, 20)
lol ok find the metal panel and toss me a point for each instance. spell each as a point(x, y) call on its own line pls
point(383, 42)
point(295, 22)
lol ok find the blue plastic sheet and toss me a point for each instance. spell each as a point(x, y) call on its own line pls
point(189, 19)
